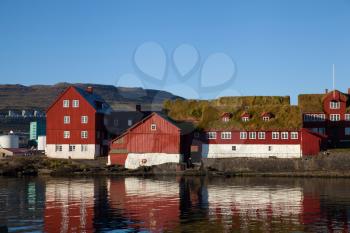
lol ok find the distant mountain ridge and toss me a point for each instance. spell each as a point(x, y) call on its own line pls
point(39, 97)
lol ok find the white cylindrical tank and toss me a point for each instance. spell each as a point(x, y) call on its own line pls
point(9, 141)
point(41, 142)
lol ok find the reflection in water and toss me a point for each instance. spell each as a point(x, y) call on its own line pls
point(175, 204)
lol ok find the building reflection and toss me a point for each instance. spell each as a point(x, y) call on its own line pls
point(69, 205)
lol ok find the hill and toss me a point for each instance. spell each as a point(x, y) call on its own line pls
point(39, 97)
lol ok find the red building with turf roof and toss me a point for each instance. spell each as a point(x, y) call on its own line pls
point(328, 114)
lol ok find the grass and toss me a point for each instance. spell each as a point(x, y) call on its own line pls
point(206, 113)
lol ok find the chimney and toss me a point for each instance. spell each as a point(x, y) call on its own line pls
point(326, 90)
point(349, 91)
point(138, 107)
point(90, 89)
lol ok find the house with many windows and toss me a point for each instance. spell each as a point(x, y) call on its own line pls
point(328, 114)
point(75, 125)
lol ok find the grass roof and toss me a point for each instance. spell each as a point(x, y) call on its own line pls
point(206, 114)
point(311, 102)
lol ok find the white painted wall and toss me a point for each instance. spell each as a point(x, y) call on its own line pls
point(9, 141)
point(41, 142)
point(251, 150)
point(91, 153)
point(134, 160)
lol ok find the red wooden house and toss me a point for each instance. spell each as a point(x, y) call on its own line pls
point(154, 140)
point(75, 125)
point(331, 116)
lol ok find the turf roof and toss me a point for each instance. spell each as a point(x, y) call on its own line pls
point(206, 114)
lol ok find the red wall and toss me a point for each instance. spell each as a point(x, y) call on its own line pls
point(56, 126)
point(311, 143)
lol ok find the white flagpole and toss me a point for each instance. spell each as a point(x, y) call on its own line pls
point(333, 81)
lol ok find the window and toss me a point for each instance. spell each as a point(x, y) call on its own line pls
point(347, 131)
point(211, 135)
point(334, 104)
point(321, 117)
point(153, 127)
point(284, 135)
point(335, 117)
point(66, 103)
point(75, 103)
point(84, 148)
point(225, 119)
point(252, 135)
point(129, 122)
point(84, 119)
point(58, 148)
point(269, 148)
point(266, 118)
point(226, 135)
point(275, 135)
point(84, 134)
point(66, 119)
point(243, 135)
point(66, 134)
point(234, 148)
point(294, 135)
point(261, 135)
point(322, 131)
point(245, 119)
point(347, 117)
point(71, 148)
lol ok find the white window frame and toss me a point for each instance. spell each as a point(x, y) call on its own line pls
point(285, 135)
point(226, 135)
point(84, 119)
point(71, 148)
point(58, 148)
point(75, 103)
point(275, 135)
point(225, 119)
point(243, 135)
point(266, 118)
point(66, 103)
point(84, 134)
point(66, 134)
point(211, 135)
point(334, 117)
point(347, 117)
point(322, 117)
point(66, 120)
point(153, 127)
point(129, 122)
point(261, 135)
point(252, 135)
point(245, 119)
point(334, 105)
point(294, 135)
point(84, 148)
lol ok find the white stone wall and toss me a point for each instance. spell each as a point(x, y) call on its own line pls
point(134, 160)
point(251, 150)
point(91, 153)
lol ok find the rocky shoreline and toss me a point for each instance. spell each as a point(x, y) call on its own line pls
point(335, 165)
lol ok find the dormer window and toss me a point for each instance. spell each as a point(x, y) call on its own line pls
point(334, 105)
point(66, 103)
point(266, 118)
point(245, 119)
point(225, 117)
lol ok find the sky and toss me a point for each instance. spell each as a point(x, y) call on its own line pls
point(195, 49)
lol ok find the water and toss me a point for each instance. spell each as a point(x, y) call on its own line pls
point(174, 204)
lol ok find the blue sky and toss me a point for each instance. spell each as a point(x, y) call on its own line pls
point(278, 47)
